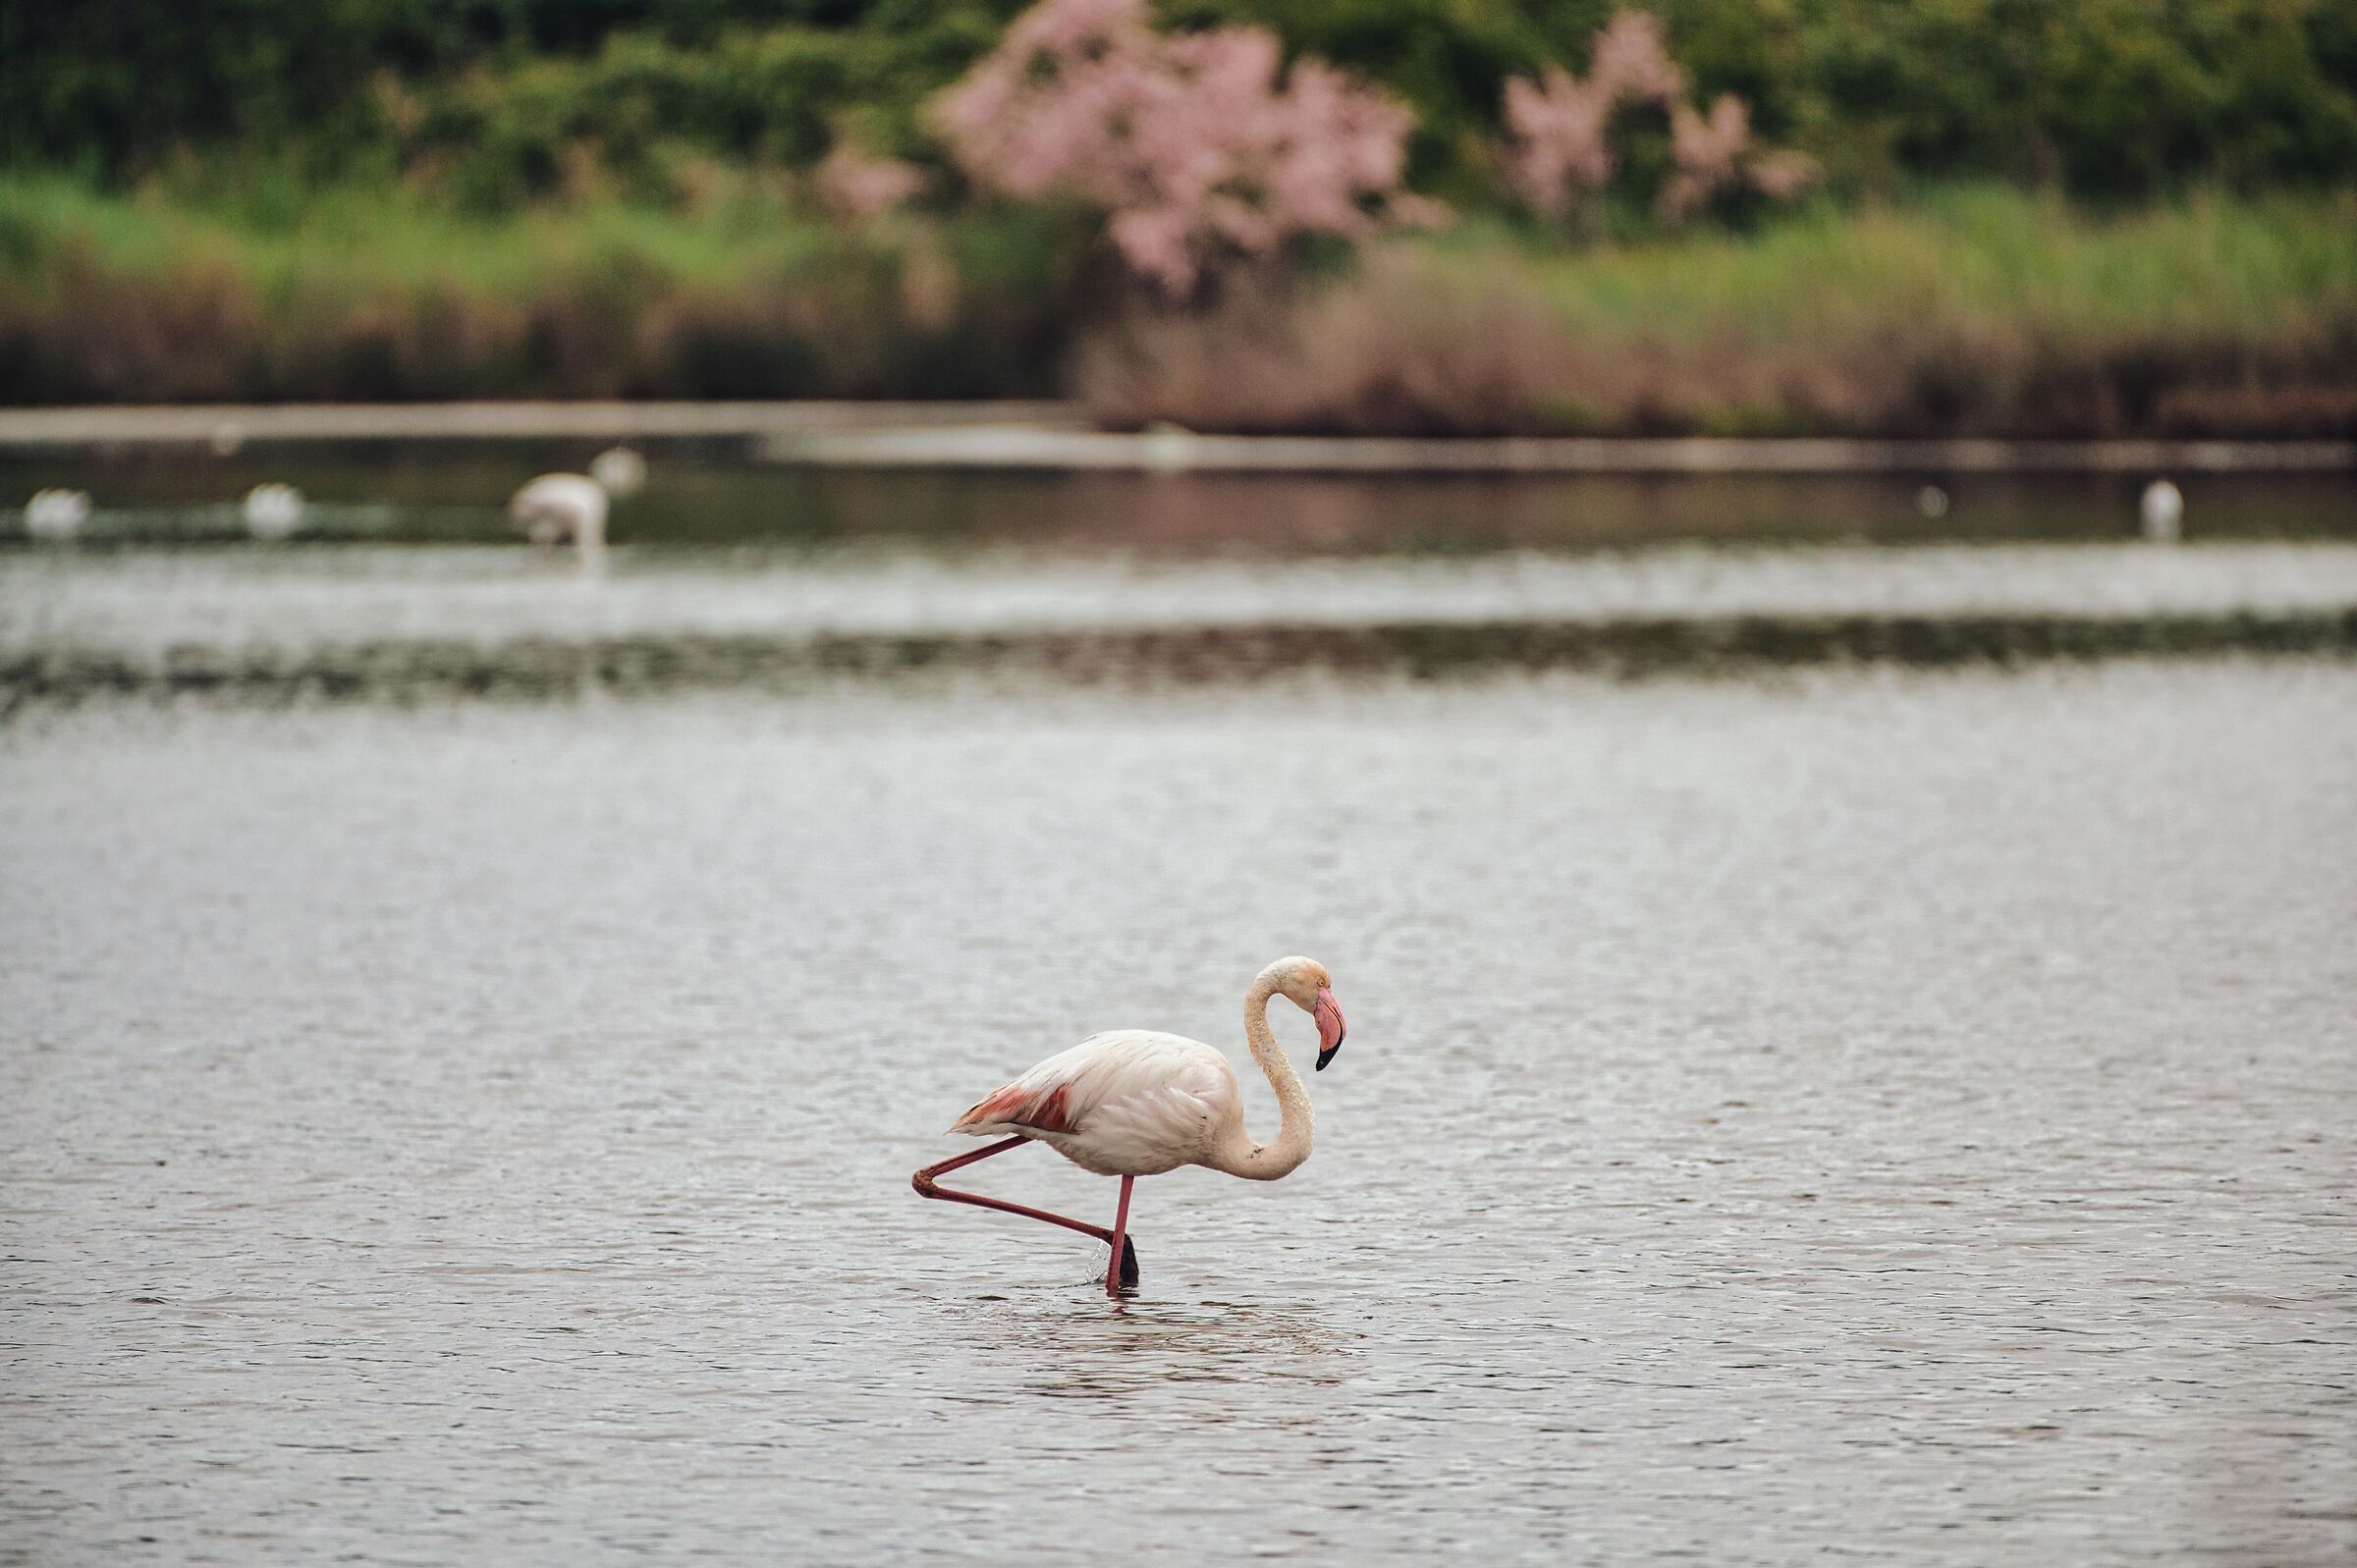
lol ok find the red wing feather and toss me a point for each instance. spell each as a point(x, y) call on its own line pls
point(1018, 1106)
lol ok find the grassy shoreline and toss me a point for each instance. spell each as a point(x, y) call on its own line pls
point(1968, 312)
point(369, 296)
point(1964, 311)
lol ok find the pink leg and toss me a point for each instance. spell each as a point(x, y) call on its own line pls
point(927, 1187)
point(1122, 1268)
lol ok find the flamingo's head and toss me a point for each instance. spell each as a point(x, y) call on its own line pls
point(1306, 982)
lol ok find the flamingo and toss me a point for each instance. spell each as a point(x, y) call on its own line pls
point(558, 507)
point(273, 511)
point(1133, 1104)
point(2163, 510)
point(57, 516)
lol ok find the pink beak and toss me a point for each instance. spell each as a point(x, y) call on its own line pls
point(1331, 1028)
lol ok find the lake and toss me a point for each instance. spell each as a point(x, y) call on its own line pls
point(712, 495)
point(1861, 1113)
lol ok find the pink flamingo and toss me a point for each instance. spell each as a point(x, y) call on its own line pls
point(1135, 1104)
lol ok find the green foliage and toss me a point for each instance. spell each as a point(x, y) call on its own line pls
point(2113, 97)
point(646, 99)
point(370, 294)
point(123, 85)
point(500, 99)
point(500, 96)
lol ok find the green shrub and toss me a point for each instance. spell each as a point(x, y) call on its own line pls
point(506, 97)
point(373, 295)
point(2116, 97)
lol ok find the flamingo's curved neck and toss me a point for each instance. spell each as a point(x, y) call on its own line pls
point(1258, 1162)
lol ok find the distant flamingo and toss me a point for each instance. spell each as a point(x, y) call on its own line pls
point(1135, 1104)
point(273, 511)
point(558, 507)
point(2162, 510)
point(57, 516)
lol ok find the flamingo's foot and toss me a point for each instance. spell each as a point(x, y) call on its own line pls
point(1125, 1283)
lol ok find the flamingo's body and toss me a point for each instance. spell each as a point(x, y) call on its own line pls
point(560, 507)
point(273, 511)
point(1133, 1104)
point(1125, 1103)
point(57, 516)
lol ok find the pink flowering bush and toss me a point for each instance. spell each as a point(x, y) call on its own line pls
point(1560, 153)
point(1199, 148)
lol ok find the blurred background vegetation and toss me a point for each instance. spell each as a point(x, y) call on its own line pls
point(2107, 216)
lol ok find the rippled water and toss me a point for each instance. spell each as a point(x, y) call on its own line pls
point(334, 622)
point(1896, 1115)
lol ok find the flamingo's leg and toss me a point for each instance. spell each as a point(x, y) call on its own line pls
point(1122, 1268)
point(928, 1187)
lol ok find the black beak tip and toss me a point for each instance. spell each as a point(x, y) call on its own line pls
point(1327, 1055)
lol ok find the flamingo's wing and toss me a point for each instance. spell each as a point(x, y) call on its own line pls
point(555, 505)
point(1129, 1081)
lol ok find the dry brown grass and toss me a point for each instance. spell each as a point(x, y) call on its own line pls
point(1989, 314)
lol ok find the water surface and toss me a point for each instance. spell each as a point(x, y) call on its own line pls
point(705, 495)
point(1878, 1114)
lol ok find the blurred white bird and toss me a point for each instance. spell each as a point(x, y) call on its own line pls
point(620, 470)
point(57, 515)
point(273, 511)
point(2163, 510)
point(560, 507)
